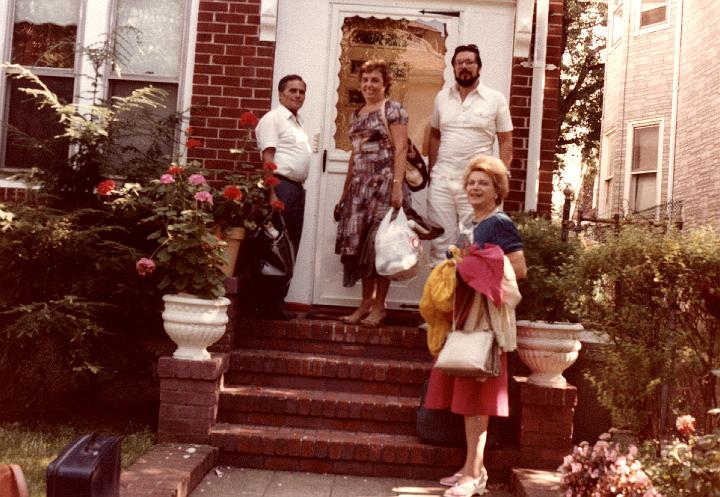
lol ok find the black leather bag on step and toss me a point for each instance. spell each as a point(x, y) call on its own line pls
point(439, 426)
point(273, 251)
point(87, 467)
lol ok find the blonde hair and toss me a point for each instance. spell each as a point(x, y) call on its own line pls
point(495, 168)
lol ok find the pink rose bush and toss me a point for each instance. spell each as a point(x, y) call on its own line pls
point(605, 470)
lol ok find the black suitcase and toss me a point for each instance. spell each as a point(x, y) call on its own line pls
point(87, 467)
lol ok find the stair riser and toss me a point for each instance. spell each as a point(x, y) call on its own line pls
point(327, 384)
point(335, 348)
point(314, 422)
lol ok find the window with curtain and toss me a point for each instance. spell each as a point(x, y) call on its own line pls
point(44, 36)
point(644, 167)
point(652, 12)
point(148, 42)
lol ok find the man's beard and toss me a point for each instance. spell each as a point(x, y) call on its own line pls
point(467, 81)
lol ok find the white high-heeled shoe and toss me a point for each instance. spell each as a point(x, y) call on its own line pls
point(478, 486)
point(449, 481)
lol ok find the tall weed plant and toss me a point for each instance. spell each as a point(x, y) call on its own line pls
point(656, 295)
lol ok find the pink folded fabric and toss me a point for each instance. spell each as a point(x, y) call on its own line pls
point(483, 270)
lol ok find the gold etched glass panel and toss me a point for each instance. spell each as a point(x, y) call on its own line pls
point(415, 52)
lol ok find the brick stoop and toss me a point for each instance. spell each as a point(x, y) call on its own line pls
point(168, 470)
point(535, 483)
point(321, 396)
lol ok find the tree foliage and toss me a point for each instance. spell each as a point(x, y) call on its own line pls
point(582, 78)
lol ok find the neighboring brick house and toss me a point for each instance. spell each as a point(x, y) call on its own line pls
point(661, 134)
point(220, 58)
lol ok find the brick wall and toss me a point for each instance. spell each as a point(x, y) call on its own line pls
point(233, 74)
point(697, 175)
point(520, 92)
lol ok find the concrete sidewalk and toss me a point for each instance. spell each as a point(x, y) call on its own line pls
point(226, 481)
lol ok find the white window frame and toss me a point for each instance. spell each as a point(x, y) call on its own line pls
point(91, 31)
point(641, 30)
point(607, 172)
point(631, 127)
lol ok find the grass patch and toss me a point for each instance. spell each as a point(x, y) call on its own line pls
point(34, 447)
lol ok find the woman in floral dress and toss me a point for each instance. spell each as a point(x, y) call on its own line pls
point(374, 183)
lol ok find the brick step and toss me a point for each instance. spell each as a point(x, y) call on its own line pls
point(318, 409)
point(334, 337)
point(273, 368)
point(343, 452)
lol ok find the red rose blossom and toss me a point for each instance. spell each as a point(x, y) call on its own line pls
point(232, 192)
point(248, 120)
point(105, 187)
point(278, 205)
point(272, 181)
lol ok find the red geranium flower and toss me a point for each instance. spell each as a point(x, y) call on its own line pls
point(269, 166)
point(272, 181)
point(232, 192)
point(189, 131)
point(105, 187)
point(193, 142)
point(248, 120)
point(174, 169)
point(278, 205)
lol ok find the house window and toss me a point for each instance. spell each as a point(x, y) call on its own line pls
point(618, 25)
point(148, 39)
point(652, 12)
point(644, 167)
point(44, 36)
point(605, 195)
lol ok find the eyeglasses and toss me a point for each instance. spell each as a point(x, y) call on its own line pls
point(465, 63)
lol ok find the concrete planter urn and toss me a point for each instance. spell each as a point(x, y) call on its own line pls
point(194, 324)
point(548, 349)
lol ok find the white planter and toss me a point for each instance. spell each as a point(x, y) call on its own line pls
point(548, 349)
point(194, 324)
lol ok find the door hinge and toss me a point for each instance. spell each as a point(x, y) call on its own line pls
point(446, 13)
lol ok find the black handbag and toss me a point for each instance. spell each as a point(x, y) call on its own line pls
point(416, 171)
point(274, 254)
point(439, 426)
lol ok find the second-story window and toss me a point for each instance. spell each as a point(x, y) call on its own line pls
point(652, 12)
point(618, 23)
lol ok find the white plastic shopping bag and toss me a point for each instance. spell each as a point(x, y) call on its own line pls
point(397, 247)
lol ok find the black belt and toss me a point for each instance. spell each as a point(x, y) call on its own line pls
point(296, 183)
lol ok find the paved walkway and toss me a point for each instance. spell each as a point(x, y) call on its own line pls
point(225, 481)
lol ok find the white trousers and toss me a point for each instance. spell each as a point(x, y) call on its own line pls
point(449, 207)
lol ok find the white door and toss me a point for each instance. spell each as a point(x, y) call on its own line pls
point(325, 41)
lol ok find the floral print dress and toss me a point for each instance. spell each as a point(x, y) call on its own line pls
point(370, 188)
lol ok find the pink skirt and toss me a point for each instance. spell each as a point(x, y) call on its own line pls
point(468, 396)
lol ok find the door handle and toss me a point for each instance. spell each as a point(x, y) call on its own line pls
point(324, 160)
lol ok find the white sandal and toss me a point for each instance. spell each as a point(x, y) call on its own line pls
point(469, 488)
point(449, 481)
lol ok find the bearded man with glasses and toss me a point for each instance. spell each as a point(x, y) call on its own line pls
point(466, 119)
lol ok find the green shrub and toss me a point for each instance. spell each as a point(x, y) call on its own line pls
point(544, 291)
point(655, 294)
point(685, 468)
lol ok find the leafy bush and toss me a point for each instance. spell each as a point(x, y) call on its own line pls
point(545, 289)
point(71, 289)
point(686, 466)
point(656, 296)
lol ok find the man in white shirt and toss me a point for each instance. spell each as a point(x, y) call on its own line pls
point(283, 142)
point(465, 121)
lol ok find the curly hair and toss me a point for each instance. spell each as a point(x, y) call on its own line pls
point(377, 65)
point(495, 168)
